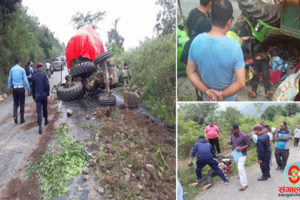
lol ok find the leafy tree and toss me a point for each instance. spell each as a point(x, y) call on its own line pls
point(114, 37)
point(80, 19)
point(7, 7)
point(269, 113)
point(166, 18)
point(197, 112)
point(291, 109)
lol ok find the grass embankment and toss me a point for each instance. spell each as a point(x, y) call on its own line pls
point(134, 158)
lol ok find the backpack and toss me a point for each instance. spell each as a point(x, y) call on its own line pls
point(27, 70)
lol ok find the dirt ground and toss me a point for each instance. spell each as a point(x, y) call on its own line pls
point(17, 188)
point(125, 156)
point(186, 91)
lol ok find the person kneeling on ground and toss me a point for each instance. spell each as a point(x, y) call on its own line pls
point(224, 164)
point(205, 156)
point(263, 152)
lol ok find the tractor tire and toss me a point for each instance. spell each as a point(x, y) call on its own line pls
point(71, 93)
point(83, 69)
point(104, 101)
point(101, 58)
point(253, 10)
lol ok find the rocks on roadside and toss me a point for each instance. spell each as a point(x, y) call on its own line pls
point(131, 99)
point(86, 177)
point(101, 190)
point(150, 167)
point(69, 112)
point(85, 170)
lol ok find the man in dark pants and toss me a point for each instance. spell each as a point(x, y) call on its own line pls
point(16, 81)
point(40, 92)
point(282, 138)
point(260, 65)
point(205, 156)
point(213, 134)
point(263, 153)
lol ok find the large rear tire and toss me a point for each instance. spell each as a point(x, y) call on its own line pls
point(102, 58)
point(107, 101)
point(83, 69)
point(254, 10)
point(70, 93)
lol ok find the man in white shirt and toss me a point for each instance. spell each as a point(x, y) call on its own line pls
point(296, 136)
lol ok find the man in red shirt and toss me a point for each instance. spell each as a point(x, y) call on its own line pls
point(212, 132)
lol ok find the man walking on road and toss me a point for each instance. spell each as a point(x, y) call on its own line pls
point(263, 153)
point(205, 156)
point(297, 136)
point(240, 141)
point(212, 132)
point(282, 138)
point(16, 81)
point(40, 93)
point(215, 63)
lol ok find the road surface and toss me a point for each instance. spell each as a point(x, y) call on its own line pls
point(257, 190)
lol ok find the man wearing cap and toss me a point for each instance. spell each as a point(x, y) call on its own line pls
point(263, 153)
point(40, 92)
point(205, 156)
point(212, 132)
point(262, 123)
point(282, 138)
point(240, 141)
point(16, 81)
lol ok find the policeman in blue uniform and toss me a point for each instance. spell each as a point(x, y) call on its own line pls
point(205, 156)
point(16, 81)
point(40, 93)
point(263, 153)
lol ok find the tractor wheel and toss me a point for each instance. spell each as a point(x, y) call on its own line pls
point(83, 69)
point(253, 10)
point(107, 101)
point(70, 93)
point(101, 58)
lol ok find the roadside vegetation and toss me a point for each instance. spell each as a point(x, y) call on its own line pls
point(152, 69)
point(192, 119)
point(22, 36)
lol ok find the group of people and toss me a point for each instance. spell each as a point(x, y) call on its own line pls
point(215, 61)
point(18, 79)
point(204, 150)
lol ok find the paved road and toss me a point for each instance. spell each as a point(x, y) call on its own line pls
point(264, 190)
point(18, 141)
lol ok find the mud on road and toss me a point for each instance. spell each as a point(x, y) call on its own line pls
point(134, 137)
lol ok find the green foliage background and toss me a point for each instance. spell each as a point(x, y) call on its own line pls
point(152, 67)
point(22, 36)
point(192, 119)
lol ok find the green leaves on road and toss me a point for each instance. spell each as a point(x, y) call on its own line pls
point(56, 168)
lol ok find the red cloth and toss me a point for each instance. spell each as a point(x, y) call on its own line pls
point(86, 43)
point(275, 76)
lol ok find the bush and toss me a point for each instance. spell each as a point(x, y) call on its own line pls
point(152, 67)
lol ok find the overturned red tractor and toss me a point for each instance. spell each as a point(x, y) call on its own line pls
point(89, 68)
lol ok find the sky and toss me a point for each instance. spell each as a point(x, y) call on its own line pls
point(137, 17)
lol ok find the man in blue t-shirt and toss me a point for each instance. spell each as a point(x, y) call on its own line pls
point(216, 64)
